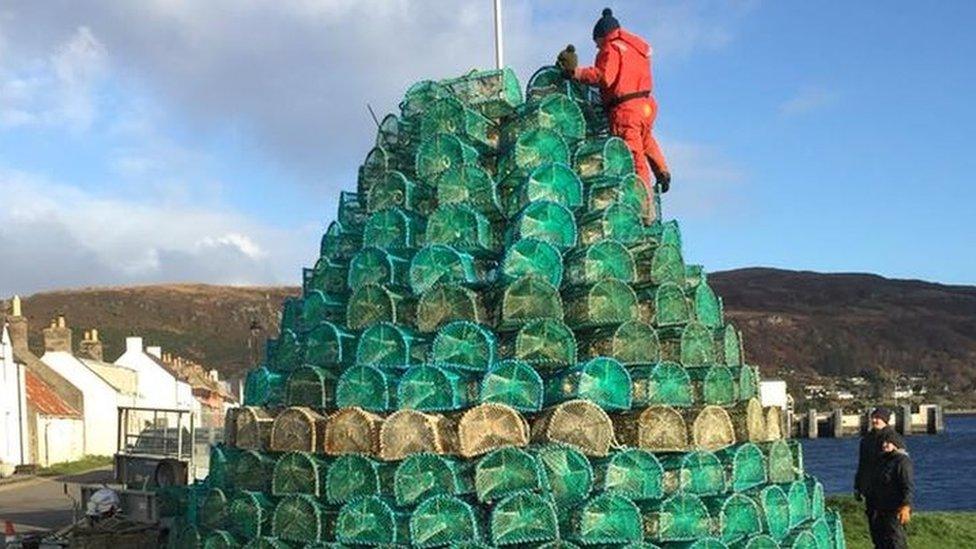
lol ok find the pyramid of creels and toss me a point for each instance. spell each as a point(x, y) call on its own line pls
point(496, 348)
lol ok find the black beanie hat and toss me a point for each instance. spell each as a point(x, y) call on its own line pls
point(892, 437)
point(882, 413)
point(606, 23)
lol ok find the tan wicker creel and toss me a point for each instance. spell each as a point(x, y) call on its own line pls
point(579, 423)
point(408, 432)
point(253, 428)
point(490, 426)
point(352, 431)
point(655, 428)
point(712, 429)
point(298, 429)
point(749, 421)
point(774, 423)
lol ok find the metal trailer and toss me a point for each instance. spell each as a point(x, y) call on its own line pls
point(158, 448)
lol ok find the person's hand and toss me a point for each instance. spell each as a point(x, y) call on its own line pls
point(858, 496)
point(664, 180)
point(567, 60)
point(904, 514)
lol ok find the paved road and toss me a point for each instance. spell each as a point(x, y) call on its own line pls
point(40, 503)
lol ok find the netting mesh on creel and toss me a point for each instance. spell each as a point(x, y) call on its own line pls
point(549, 181)
point(421, 476)
point(529, 256)
point(604, 259)
point(465, 346)
point(494, 348)
point(299, 473)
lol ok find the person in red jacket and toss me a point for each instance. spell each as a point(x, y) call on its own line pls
point(623, 73)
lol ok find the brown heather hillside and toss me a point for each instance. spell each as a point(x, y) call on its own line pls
point(209, 324)
point(829, 323)
point(841, 324)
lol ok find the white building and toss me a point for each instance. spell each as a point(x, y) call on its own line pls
point(158, 387)
point(13, 408)
point(102, 394)
point(902, 392)
point(53, 412)
point(59, 428)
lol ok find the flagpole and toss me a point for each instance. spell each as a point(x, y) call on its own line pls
point(499, 46)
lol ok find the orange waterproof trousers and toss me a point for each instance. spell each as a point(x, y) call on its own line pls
point(633, 121)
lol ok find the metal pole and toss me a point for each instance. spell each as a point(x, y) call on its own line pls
point(499, 46)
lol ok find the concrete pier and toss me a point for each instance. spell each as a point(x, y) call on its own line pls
point(837, 423)
point(935, 420)
point(928, 419)
point(813, 427)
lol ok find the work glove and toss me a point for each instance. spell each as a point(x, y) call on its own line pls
point(904, 514)
point(568, 61)
point(664, 180)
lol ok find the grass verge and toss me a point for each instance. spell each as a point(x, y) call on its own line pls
point(86, 463)
point(927, 529)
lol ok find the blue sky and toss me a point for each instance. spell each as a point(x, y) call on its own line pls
point(207, 142)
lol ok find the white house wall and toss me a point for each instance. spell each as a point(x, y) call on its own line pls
point(101, 402)
point(157, 387)
point(59, 439)
point(13, 405)
point(184, 397)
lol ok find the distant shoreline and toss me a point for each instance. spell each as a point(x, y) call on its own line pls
point(961, 412)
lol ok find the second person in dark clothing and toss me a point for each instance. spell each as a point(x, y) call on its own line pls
point(889, 497)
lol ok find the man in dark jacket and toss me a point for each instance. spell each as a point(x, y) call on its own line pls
point(889, 497)
point(869, 451)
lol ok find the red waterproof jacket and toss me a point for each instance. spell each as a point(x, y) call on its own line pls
point(623, 67)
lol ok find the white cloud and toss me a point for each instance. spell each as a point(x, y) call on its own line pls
point(57, 235)
point(56, 91)
point(78, 65)
point(807, 100)
point(240, 242)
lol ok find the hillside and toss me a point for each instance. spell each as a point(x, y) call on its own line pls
point(209, 324)
point(829, 323)
point(841, 324)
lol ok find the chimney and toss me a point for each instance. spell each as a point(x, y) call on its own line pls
point(133, 344)
point(57, 338)
point(91, 347)
point(214, 376)
point(155, 350)
point(17, 326)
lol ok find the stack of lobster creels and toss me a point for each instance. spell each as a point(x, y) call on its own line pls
point(499, 347)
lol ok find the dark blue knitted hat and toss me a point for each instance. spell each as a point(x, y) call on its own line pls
point(606, 23)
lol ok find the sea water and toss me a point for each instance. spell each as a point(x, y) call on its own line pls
point(945, 465)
